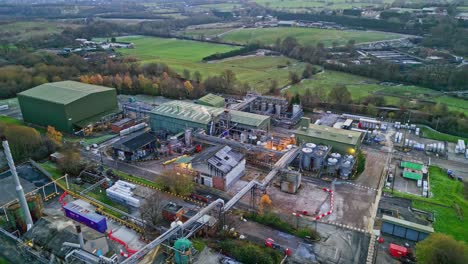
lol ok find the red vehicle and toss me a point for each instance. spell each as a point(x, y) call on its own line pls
point(269, 242)
point(397, 251)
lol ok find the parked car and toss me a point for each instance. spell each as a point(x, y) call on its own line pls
point(228, 260)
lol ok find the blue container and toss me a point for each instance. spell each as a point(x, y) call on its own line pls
point(86, 217)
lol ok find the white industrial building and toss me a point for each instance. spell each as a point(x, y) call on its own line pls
point(122, 192)
point(219, 167)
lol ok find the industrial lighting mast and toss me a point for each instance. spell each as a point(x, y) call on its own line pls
point(19, 188)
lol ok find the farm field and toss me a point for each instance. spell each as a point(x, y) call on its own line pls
point(197, 33)
point(358, 86)
point(258, 71)
point(305, 36)
point(21, 31)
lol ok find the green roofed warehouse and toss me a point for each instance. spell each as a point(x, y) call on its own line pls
point(211, 100)
point(341, 140)
point(176, 116)
point(67, 105)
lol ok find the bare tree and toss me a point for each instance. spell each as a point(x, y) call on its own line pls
point(151, 212)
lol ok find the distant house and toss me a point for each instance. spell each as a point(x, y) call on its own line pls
point(219, 167)
point(287, 23)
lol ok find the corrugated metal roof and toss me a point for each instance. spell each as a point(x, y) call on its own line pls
point(211, 100)
point(247, 118)
point(188, 111)
point(412, 175)
point(330, 133)
point(63, 92)
point(203, 114)
point(411, 165)
point(408, 224)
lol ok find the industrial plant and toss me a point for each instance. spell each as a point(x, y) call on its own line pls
point(130, 204)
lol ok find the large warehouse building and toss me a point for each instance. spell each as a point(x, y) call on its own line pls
point(176, 116)
point(341, 140)
point(68, 106)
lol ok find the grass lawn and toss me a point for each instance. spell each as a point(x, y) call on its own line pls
point(453, 103)
point(185, 54)
point(306, 36)
point(10, 120)
point(428, 132)
point(446, 192)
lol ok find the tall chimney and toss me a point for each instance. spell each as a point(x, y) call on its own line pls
point(80, 236)
point(19, 188)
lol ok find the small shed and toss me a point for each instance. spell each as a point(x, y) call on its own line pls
point(405, 229)
point(172, 211)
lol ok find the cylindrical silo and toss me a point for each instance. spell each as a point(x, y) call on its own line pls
point(331, 165)
point(306, 158)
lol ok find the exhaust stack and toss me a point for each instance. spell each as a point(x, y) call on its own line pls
point(19, 188)
point(80, 236)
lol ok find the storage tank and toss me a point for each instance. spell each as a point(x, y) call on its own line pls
point(306, 158)
point(270, 108)
point(318, 156)
point(310, 145)
point(15, 214)
point(183, 250)
point(243, 138)
point(346, 167)
point(331, 165)
point(188, 137)
point(278, 109)
point(263, 107)
point(296, 109)
point(336, 156)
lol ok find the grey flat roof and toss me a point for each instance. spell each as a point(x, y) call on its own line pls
point(401, 222)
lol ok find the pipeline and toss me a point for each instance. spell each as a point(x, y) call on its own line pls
point(153, 244)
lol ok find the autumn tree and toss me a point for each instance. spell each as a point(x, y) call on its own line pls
point(441, 249)
point(23, 140)
point(71, 162)
point(265, 204)
point(54, 135)
point(188, 87)
point(176, 182)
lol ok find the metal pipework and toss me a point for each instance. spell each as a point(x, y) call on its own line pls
point(19, 188)
point(80, 236)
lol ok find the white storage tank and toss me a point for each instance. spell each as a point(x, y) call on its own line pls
point(331, 165)
point(306, 158)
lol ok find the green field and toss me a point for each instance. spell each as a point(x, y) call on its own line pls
point(455, 104)
point(20, 31)
point(306, 36)
point(184, 54)
point(430, 133)
point(447, 195)
point(446, 192)
point(197, 33)
point(358, 86)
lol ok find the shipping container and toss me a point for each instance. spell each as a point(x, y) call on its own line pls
point(86, 217)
